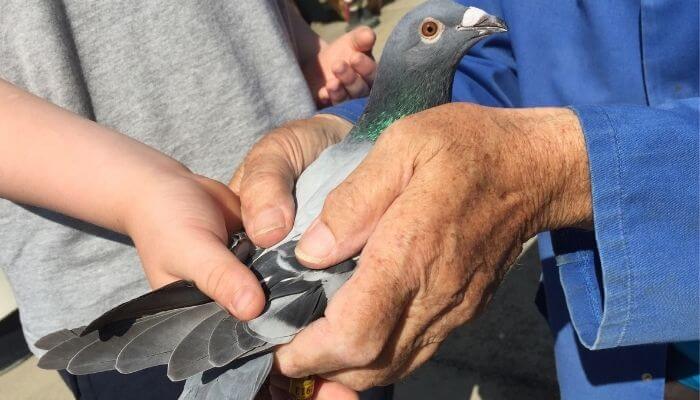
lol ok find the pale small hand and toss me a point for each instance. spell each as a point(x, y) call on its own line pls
point(181, 224)
point(439, 210)
point(344, 69)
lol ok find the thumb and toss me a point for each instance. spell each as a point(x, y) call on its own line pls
point(182, 233)
point(217, 272)
point(351, 211)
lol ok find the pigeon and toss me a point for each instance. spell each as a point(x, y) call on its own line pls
point(220, 356)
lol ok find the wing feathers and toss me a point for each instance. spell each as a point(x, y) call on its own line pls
point(52, 340)
point(101, 354)
point(178, 294)
point(191, 356)
point(155, 345)
point(59, 356)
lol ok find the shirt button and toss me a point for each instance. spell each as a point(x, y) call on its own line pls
point(647, 376)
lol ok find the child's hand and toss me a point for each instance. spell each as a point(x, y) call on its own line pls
point(343, 69)
point(180, 225)
point(180, 222)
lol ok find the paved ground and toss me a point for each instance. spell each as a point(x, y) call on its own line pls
point(505, 354)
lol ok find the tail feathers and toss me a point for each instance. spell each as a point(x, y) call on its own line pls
point(240, 380)
point(191, 356)
point(176, 295)
point(101, 354)
point(155, 345)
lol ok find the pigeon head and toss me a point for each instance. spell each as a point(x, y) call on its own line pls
point(435, 36)
point(419, 61)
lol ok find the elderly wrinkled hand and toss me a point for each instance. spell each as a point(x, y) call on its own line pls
point(438, 211)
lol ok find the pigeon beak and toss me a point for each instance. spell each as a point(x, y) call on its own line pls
point(486, 24)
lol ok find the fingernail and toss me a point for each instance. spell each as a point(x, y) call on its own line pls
point(242, 300)
point(268, 220)
point(316, 244)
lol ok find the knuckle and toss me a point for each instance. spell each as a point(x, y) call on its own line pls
point(357, 352)
point(291, 368)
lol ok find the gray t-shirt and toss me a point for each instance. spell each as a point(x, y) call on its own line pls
point(199, 81)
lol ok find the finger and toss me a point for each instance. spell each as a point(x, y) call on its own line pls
point(352, 210)
point(327, 390)
point(266, 179)
point(228, 202)
point(336, 91)
point(381, 375)
point(354, 85)
point(324, 98)
point(362, 39)
point(201, 257)
point(358, 322)
point(364, 66)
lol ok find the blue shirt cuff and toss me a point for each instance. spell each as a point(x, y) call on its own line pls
point(349, 110)
point(641, 285)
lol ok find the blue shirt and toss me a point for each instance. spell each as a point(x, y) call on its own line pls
point(617, 296)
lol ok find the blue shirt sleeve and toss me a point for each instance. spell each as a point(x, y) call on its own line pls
point(641, 284)
point(644, 177)
point(349, 110)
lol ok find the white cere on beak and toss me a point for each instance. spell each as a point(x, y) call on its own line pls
point(473, 16)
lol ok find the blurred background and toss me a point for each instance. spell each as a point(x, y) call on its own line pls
point(505, 354)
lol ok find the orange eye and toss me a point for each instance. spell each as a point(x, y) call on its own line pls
point(429, 29)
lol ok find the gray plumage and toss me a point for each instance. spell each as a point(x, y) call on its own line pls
point(179, 326)
point(234, 382)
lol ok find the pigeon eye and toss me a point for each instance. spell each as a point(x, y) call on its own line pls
point(431, 29)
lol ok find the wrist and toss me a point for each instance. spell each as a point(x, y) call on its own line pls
point(145, 194)
point(555, 168)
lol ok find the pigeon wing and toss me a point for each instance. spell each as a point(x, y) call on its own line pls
point(176, 295)
point(191, 356)
point(100, 354)
point(155, 345)
point(240, 380)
